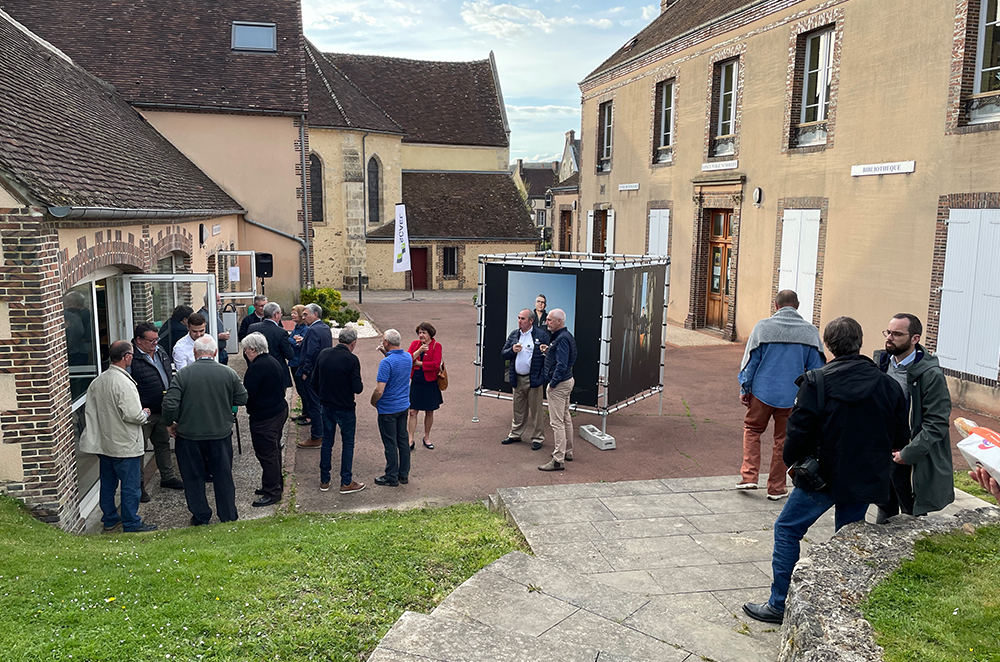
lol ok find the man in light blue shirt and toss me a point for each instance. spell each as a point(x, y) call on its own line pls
point(391, 398)
point(780, 349)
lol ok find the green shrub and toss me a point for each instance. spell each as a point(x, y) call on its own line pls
point(334, 307)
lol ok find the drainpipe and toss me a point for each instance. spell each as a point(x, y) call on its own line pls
point(298, 240)
point(306, 245)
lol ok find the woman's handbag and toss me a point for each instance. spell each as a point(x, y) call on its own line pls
point(442, 378)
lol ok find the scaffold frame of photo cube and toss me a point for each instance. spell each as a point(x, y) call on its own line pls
point(616, 309)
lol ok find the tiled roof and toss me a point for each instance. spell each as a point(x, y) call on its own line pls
point(538, 179)
point(177, 52)
point(462, 206)
point(70, 140)
point(571, 182)
point(679, 18)
point(334, 101)
point(450, 103)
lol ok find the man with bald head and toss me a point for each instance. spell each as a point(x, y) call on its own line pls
point(560, 356)
point(523, 350)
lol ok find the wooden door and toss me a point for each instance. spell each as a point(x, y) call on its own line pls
point(566, 231)
point(600, 232)
point(720, 253)
point(418, 268)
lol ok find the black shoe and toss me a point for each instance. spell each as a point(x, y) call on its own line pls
point(303, 421)
point(172, 484)
point(510, 440)
point(382, 480)
point(143, 528)
point(536, 445)
point(404, 481)
point(763, 612)
point(429, 446)
point(259, 492)
point(266, 500)
point(144, 496)
point(413, 445)
point(195, 522)
point(210, 478)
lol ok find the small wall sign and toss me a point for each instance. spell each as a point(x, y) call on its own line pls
point(216, 229)
point(629, 187)
point(894, 168)
point(720, 165)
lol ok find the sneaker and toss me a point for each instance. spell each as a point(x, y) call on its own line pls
point(382, 480)
point(143, 528)
point(536, 445)
point(313, 442)
point(746, 486)
point(569, 456)
point(325, 487)
point(777, 497)
point(117, 528)
point(172, 484)
point(552, 465)
point(355, 486)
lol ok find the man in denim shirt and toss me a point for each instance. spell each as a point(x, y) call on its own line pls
point(780, 349)
point(391, 398)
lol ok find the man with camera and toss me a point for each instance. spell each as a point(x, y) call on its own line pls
point(847, 418)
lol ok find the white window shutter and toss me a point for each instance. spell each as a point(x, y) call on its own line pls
point(609, 247)
point(984, 328)
point(590, 232)
point(788, 271)
point(805, 284)
point(954, 324)
point(652, 247)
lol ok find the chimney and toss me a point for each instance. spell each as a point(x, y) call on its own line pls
point(520, 167)
point(665, 5)
point(571, 135)
point(555, 166)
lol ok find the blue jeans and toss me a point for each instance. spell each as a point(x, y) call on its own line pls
point(801, 510)
point(311, 400)
point(195, 459)
point(396, 440)
point(126, 470)
point(347, 420)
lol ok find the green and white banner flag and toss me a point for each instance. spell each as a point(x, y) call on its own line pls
point(401, 242)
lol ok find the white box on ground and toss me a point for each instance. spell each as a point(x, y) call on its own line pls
point(593, 434)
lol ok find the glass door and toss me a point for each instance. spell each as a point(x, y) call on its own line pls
point(154, 298)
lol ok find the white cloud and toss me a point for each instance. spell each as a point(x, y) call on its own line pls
point(542, 110)
point(507, 21)
point(327, 14)
point(615, 10)
point(649, 12)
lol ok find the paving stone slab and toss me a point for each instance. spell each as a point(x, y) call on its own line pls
point(648, 553)
point(655, 505)
point(553, 580)
point(587, 628)
point(580, 557)
point(419, 636)
point(738, 501)
point(649, 527)
point(762, 520)
point(562, 511)
point(736, 547)
point(692, 579)
point(581, 491)
point(555, 533)
point(733, 600)
point(708, 484)
point(639, 582)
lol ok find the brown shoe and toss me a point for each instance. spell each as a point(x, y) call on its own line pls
point(355, 486)
point(552, 465)
point(314, 442)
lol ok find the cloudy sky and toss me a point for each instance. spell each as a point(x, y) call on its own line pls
point(543, 48)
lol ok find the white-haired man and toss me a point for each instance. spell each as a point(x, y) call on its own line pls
point(278, 345)
point(560, 356)
point(391, 398)
point(198, 407)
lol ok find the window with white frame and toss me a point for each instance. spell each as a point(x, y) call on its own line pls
point(664, 122)
point(260, 37)
point(985, 104)
point(450, 262)
point(725, 105)
point(540, 218)
point(604, 125)
point(816, 87)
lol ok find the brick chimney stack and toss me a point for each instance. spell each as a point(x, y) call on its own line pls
point(665, 5)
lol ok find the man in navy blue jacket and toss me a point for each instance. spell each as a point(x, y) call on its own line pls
point(318, 337)
point(524, 351)
point(560, 356)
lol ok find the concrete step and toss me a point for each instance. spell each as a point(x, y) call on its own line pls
point(423, 638)
point(539, 599)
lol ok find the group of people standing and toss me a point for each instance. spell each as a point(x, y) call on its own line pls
point(854, 431)
point(541, 353)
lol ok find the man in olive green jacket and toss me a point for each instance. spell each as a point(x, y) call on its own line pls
point(198, 407)
point(928, 455)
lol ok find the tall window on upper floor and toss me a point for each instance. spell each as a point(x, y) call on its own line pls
point(663, 117)
point(727, 75)
point(984, 106)
point(374, 192)
point(816, 64)
point(316, 188)
point(604, 125)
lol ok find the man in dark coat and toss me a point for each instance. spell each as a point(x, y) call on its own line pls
point(524, 351)
point(849, 416)
point(150, 368)
point(256, 316)
point(336, 380)
point(922, 476)
point(175, 328)
point(268, 412)
point(279, 347)
point(318, 337)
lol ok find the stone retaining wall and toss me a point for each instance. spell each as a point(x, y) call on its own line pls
point(823, 621)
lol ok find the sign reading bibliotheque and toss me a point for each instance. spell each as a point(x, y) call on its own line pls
point(894, 168)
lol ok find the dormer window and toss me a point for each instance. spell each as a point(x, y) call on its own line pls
point(256, 37)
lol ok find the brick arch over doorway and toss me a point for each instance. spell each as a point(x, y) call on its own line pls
point(705, 200)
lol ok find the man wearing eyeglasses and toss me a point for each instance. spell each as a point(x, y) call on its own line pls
point(922, 470)
point(150, 369)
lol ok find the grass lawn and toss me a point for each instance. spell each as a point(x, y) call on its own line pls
point(297, 587)
point(966, 484)
point(943, 605)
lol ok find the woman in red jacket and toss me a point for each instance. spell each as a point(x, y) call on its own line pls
point(425, 395)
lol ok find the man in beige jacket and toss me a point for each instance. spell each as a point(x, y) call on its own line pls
point(114, 433)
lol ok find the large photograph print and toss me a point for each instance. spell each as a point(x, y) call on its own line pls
point(508, 289)
point(636, 332)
